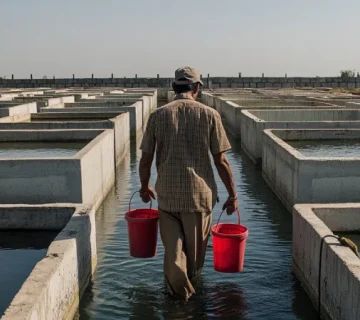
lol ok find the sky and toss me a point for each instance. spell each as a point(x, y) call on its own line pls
point(143, 37)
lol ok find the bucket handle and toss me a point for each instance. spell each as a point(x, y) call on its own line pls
point(238, 214)
point(132, 196)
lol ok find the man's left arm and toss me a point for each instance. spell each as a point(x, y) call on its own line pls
point(146, 191)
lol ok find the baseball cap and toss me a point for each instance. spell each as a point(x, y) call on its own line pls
point(187, 75)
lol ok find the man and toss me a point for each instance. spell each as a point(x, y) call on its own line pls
point(182, 133)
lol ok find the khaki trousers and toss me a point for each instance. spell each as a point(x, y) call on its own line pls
point(185, 237)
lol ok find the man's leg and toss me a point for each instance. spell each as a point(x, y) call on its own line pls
point(175, 270)
point(196, 229)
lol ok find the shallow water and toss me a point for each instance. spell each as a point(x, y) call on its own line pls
point(128, 288)
point(327, 148)
point(21, 150)
point(19, 253)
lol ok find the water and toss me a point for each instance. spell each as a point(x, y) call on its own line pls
point(53, 149)
point(19, 253)
point(339, 148)
point(128, 288)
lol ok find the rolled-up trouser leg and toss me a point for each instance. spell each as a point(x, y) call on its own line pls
point(196, 231)
point(172, 236)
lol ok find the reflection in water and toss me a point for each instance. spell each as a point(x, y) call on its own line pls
point(128, 288)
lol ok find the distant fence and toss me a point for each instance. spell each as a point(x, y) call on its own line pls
point(209, 82)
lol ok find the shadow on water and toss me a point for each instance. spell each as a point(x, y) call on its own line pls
point(127, 288)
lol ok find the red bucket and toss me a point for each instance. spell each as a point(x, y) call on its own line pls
point(229, 242)
point(143, 231)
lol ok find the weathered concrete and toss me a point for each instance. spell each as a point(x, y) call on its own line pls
point(135, 110)
point(56, 284)
point(254, 122)
point(340, 273)
point(73, 116)
point(231, 111)
point(296, 178)
point(170, 96)
point(15, 108)
point(49, 101)
point(16, 118)
point(148, 104)
point(39, 104)
point(83, 178)
point(119, 123)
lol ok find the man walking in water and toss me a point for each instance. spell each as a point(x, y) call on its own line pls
point(182, 134)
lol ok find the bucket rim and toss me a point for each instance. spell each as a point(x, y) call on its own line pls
point(129, 218)
point(242, 235)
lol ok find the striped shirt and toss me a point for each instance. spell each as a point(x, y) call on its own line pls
point(183, 133)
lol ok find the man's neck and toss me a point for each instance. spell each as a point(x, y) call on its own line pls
point(186, 95)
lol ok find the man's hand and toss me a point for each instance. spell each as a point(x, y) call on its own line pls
point(147, 193)
point(231, 206)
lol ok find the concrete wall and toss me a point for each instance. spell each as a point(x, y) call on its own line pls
point(13, 109)
point(121, 135)
point(299, 179)
point(148, 103)
point(135, 111)
point(51, 180)
point(209, 82)
point(72, 116)
point(230, 111)
point(34, 217)
point(149, 98)
point(47, 100)
point(340, 285)
point(16, 118)
point(254, 122)
point(56, 284)
point(97, 163)
point(119, 123)
point(170, 95)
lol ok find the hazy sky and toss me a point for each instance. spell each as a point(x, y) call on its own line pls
point(220, 37)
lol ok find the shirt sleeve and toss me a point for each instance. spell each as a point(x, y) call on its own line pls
point(148, 143)
point(218, 138)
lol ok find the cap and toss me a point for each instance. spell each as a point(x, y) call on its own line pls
point(187, 75)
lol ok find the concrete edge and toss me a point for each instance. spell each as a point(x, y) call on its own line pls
point(332, 250)
point(54, 287)
point(100, 135)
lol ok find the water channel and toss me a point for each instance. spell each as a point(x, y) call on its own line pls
point(127, 288)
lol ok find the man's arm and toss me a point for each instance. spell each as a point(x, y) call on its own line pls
point(219, 144)
point(223, 167)
point(147, 146)
point(146, 192)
